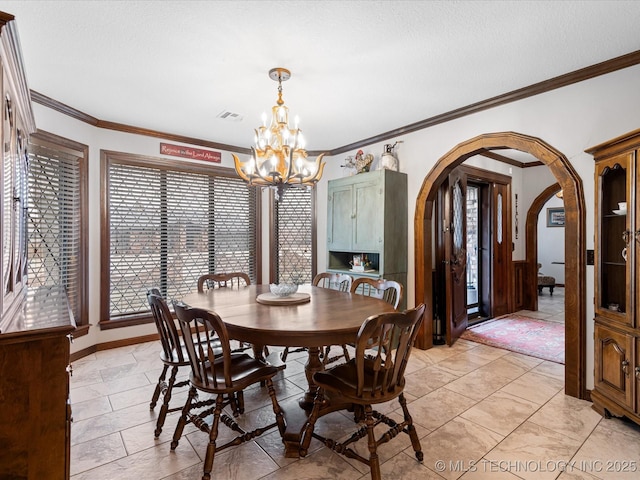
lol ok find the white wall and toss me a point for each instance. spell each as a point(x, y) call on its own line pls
point(550, 240)
point(570, 119)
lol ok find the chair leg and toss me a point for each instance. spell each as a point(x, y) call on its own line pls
point(374, 461)
point(284, 354)
point(276, 407)
point(166, 398)
point(159, 386)
point(213, 434)
point(413, 435)
point(346, 353)
point(307, 433)
point(183, 417)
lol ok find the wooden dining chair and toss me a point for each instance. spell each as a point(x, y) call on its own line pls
point(223, 280)
point(172, 355)
point(222, 377)
point(388, 290)
point(334, 281)
point(236, 280)
point(374, 376)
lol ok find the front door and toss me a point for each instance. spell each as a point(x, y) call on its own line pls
point(455, 240)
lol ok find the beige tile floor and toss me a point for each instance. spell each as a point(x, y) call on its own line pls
point(481, 412)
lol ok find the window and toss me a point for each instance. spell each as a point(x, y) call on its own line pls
point(167, 223)
point(57, 219)
point(294, 237)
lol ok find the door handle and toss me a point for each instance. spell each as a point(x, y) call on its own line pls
point(625, 367)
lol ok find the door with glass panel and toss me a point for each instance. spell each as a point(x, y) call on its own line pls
point(456, 256)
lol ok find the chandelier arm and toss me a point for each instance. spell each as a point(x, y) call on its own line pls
point(238, 165)
point(311, 179)
point(265, 179)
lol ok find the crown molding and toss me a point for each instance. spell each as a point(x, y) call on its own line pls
point(602, 68)
point(608, 66)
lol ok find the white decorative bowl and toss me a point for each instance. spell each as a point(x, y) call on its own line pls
point(283, 289)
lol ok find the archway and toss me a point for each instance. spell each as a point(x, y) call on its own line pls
point(531, 235)
point(575, 270)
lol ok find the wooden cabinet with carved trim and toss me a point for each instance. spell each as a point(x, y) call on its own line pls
point(617, 287)
point(35, 415)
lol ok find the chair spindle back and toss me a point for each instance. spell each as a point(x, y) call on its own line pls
point(169, 338)
point(334, 281)
point(207, 343)
point(388, 290)
point(383, 348)
point(223, 280)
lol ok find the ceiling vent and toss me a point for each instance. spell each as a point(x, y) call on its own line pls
point(229, 116)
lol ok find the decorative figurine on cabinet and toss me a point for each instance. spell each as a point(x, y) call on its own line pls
point(363, 162)
point(388, 161)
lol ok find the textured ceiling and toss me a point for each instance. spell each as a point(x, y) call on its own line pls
point(359, 68)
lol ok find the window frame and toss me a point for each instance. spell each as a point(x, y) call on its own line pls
point(107, 158)
point(55, 142)
point(273, 241)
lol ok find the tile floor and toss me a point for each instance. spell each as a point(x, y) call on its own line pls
point(481, 412)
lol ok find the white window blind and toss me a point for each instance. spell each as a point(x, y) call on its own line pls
point(294, 233)
point(54, 225)
point(167, 227)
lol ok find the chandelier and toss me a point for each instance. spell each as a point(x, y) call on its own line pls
point(279, 159)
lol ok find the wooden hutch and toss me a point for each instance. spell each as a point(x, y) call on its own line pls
point(35, 325)
point(617, 286)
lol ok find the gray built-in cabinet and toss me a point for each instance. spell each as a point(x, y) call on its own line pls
point(367, 217)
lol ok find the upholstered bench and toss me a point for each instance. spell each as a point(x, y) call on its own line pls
point(546, 281)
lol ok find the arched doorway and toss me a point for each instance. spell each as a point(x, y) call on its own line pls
point(531, 235)
point(575, 270)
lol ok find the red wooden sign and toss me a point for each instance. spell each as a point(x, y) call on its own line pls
point(192, 153)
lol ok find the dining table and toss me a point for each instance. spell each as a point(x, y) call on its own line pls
point(313, 318)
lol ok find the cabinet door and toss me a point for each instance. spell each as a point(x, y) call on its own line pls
point(614, 239)
point(636, 374)
point(340, 217)
point(612, 363)
point(369, 216)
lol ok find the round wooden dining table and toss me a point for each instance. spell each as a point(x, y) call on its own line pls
point(330, 317)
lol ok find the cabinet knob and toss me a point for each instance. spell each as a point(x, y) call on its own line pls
point(638, 373)
point(625, 367)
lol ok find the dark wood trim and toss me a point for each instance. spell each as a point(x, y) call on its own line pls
point(81, 331)
point(98, 347)
point(508, 160)
point(602, 68)
point(128, 321)
point(575, 232)
point(273, 248)
point(531, 249)
point(5, 18)
point(48, 102)
point(121, 127)
point(80, 150)
point(519, 284)
point(476, 174)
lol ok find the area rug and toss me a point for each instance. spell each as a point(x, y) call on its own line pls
point(517, 333)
